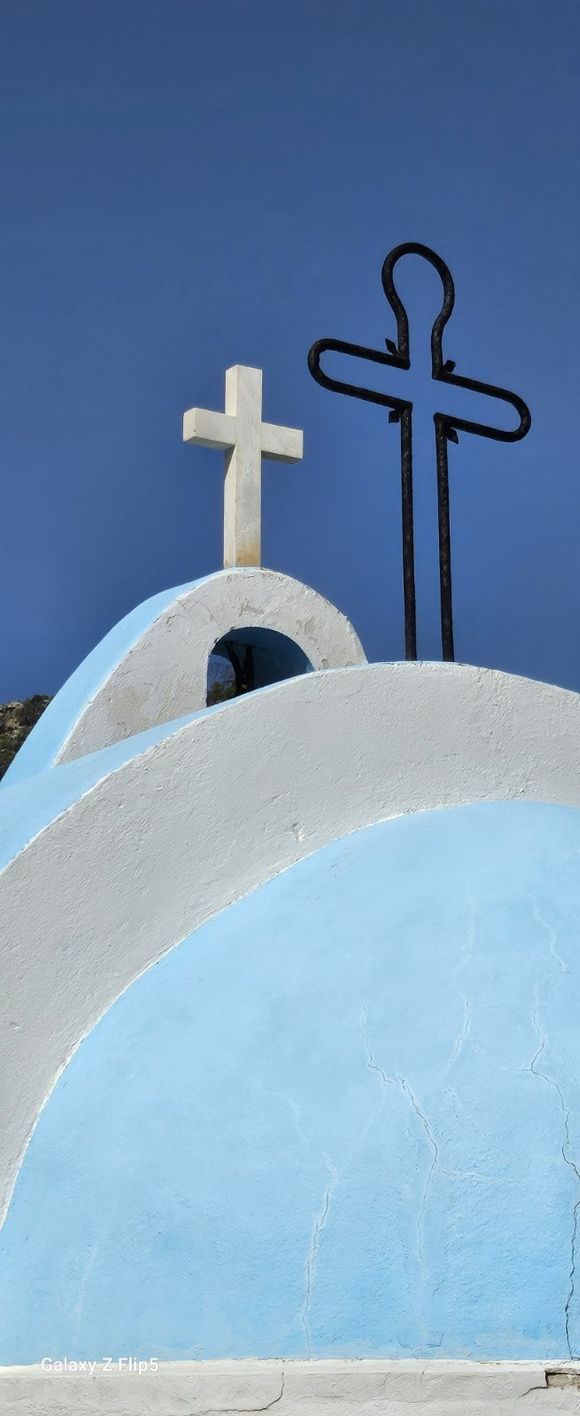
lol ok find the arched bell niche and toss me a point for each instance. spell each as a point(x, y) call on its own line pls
point(152, 667)
point(249, 658)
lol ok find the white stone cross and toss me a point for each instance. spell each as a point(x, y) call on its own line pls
point(245, 440)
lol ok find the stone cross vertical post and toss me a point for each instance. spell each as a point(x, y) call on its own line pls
point(245, 440)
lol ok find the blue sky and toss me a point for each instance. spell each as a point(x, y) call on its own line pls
point(188, 184)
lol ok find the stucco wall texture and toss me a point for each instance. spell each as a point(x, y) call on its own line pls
point(322, 1155)
point(341, 1119)
point(152, 666)
point(404, 1387)
point(114, 858)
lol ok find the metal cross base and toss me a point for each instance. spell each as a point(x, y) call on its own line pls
point(447, 427)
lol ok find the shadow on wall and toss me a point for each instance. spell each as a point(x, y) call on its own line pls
point(245, 659)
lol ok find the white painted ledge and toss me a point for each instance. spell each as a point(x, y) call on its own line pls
point(333, 1388)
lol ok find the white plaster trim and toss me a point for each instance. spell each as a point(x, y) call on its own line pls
point(219, 806)
point(332, 1388)
point(164, 674)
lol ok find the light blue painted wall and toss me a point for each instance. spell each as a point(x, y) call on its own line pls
point(342, 1118)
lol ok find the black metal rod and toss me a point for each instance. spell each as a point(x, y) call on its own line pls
point(408, 534)
point(444, 520)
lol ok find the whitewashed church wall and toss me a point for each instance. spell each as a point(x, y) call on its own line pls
point(180, 831)
point(321, 1124)
point(152, 667)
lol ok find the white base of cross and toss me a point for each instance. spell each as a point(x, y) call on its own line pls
point(245, 440)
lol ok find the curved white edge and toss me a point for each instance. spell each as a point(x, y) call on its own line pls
point(164, 674)
point(220, 805)
point(153, 665)
point(39, 750)
point(28, 807)
point(314, 1388)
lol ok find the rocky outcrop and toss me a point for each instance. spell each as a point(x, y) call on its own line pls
point(16, 720)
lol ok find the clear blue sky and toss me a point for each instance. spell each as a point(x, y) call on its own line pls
point(188, 184)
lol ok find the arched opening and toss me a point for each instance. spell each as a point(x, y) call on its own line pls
point(245, 659)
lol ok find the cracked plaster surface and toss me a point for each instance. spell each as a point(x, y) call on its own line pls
point(299, 1389)
point(343, 1118)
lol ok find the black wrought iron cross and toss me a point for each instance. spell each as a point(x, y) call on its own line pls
point(447, 427)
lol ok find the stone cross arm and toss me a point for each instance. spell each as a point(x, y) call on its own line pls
point(245, 439)
point(209, 429)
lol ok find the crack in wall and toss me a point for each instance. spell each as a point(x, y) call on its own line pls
point(551, 1082)
point(475, 1175)
point(572, 1290)
point(541, 1386)
point(551, 935)
point(318, 1226)
point(337, 1174)
point(239, 1410)
point(434, 1161)
point(312, 1256)
point(385, 1081)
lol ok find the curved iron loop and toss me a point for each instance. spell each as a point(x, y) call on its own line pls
point(358, 351)
point(484, 430)
point(447, 426)
point(414, 248)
